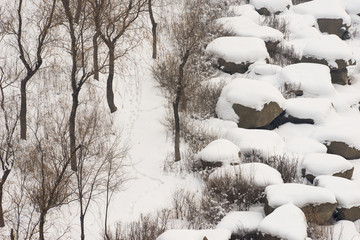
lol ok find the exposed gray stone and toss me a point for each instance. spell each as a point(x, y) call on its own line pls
point(343, 149)
point(332, 26)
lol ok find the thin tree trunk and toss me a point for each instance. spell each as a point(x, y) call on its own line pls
point(154, 32)
point(2, 221)
point(72, 127)
point(23, 127)
point(95, 56)
point(177, 126)
point(82, 226)
point(42, 225)
point(109, 84)
point(12, 236)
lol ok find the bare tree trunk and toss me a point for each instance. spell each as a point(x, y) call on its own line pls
point(82, 226)
point(23, 127)
point(154, 32)
point(72, 127)
point(12, 236)
point(2, 221)
point(42, 225)
point(95, 56)
point(177, 126)
point(109, 84)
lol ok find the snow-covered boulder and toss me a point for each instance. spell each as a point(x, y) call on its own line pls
point(331, 51)
point(246, 10)
point(304, 145)
point(352, 7)
point(265, 7)
point(209, 234)
point(286, 222)
point(235, 54)
point(250, 103)
point(242, 224)
point(317, 203)
point(244, 27)
point(259, 174)
point(347, 194)
point(316, 164)
point(218, 153)
point(330, 14)
point(266, 142)
point(264, 69)
point(341, 135)
point(310, 110)
point(314, 80)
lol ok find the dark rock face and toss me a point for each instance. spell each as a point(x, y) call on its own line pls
point(251, 118)
point(351, 214)
point(320, 214)
point(231, 68)
point(343, 149)
point(264, 11)
point(333, 26)
point(346, 174)
point(267, 237)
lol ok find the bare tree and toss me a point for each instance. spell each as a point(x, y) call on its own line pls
point(179, 71)
point(8, 141)
point(31, 56)
point(46, 162)
point(77, 25)
point(100, 155)
point(112, 20)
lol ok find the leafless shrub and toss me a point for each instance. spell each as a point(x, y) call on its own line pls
point(284, 55)
point(291, 90)
point(146, 228)
point(288, 167)
point(225, 193)
point(278, 23)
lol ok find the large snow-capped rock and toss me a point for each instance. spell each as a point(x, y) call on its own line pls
point(331, 51)
point(314, 80)
point(304, 145)
point(235, 54)
point(246, 10)
point(242, 224)
point(218, 153)
point(347, 195)
point(250, 103)
point(344, 230)
point(314, 110)
point(266, 142)
point(316, 164)
point(244, 27)
point(209, 234)
point(352, 6)
point(267, 8)
point(330, 14)
point(259, 174)
point(341, 135)
point(285, 222)
point(317, 203)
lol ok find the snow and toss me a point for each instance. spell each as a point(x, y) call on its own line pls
point(241, 222)
point(244, 27)
point(260, 174)
point(318, 164)
point(264, 69)
point(352, 6)
point(299, 25)
point(246, 10)
point(285, 222)
point(238, 49)
point(273, 6)
point(345, 230)
point(268, 142)
point(298, 194)
point(346, 191)
point(181, 234)
point(314, 79)
point(316, 109)
point(220, 150)
point(328, 9)
point(304, 145)
point(249, 93)
point(330, 48)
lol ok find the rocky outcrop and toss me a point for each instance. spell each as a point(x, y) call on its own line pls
point(252, 118)
point(231, 67)
point(351, 214)
point(343, 149)
point(333, 26)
